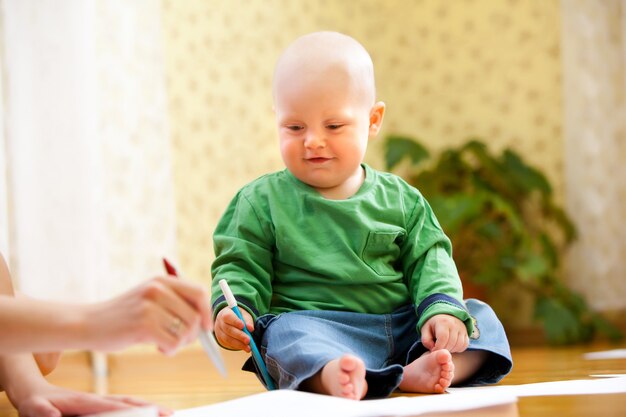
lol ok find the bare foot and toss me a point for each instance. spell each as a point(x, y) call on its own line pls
point(431, 373)
point(344, 377)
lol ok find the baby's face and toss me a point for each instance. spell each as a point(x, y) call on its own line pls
point(323, 125)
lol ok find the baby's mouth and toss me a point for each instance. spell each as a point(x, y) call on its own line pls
point(318, 160)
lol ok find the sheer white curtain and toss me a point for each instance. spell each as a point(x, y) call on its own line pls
point(89, 195)
point(4, 202)
point(594, 57)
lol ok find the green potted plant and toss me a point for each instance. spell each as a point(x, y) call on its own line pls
point(505, 228)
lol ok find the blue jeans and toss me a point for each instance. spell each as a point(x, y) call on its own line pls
point(298, 344)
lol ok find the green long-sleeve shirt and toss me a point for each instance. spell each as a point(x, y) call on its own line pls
point(283, 247)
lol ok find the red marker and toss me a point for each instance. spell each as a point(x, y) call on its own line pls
point(169, 268)
point(207, 340)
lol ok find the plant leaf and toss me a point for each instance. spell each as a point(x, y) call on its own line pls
point(499, 213)
point(455, 210)
point(607, 328)
point(533, 267)
point(561, 325)
point(399, 147)
point(524, 175)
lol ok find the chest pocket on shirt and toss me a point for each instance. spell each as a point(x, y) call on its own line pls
point(381, 251)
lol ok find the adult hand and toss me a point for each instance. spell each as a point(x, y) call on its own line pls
point(443, 331)
point(163, 311)
point(47, 361)
point(47, 400)
point(32, 395)
point(229, 329)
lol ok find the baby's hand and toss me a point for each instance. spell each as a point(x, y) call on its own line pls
point(229, 329)
point(444, 331)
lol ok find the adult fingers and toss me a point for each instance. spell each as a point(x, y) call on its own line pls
point(172, 334)
point(79, 403)
point(165, 330)
point(196, 296)
point(139, 402)
point(38, 407)
point(185, 321)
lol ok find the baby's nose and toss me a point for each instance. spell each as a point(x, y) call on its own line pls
point(314, 140)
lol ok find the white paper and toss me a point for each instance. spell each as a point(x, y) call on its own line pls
point(287, 403)
point(573, 387)
point(606, 354)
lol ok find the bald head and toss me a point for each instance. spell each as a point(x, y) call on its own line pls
point(327, 57)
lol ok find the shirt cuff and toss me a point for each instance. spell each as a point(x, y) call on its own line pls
point(443, 304)
point(220, 303)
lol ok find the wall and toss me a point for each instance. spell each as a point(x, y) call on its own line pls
point(447, 71)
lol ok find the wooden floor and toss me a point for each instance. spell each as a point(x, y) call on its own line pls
point(189, 379)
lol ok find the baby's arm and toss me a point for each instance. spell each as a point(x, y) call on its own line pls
point(443, 331)
point(229, 329)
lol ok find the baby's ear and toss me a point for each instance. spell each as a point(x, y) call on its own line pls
point(377, 114)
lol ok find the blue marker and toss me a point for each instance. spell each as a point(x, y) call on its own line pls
point(256, 355)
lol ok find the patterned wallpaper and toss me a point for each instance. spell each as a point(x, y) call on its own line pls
point(447, 71)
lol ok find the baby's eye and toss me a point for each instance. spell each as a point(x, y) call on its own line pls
point(334, 126)
point(294, 128)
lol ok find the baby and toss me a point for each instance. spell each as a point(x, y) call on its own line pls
point(344, 273)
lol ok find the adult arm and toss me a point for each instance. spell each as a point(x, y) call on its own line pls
point(33, 396)
point(145, 314)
